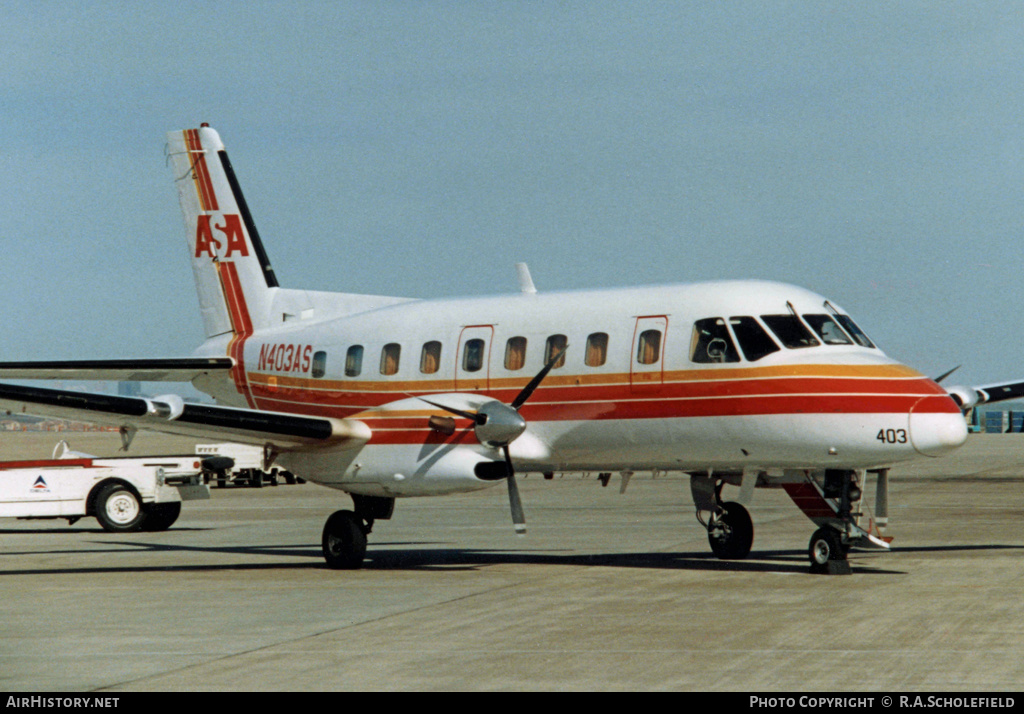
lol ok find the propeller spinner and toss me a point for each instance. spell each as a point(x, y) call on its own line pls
point(497, 425)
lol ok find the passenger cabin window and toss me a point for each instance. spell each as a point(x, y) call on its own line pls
point(827, 329)
point(515, 353)
point(354, 361)
point(855, 331)
point(554, 345)
point(430, 357)
point(473, 355)
point(597, 349)
point(754, 341)
point(711, 342)
point(389, 358)
point(648, 348)
point(790, 331)
point(319, 364)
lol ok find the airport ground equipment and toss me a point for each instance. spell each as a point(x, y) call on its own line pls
point(123, 493)
point(253, 465)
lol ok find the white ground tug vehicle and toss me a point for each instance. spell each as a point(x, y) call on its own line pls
point(123, 493)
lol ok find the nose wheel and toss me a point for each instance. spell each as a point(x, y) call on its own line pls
point(827, 552)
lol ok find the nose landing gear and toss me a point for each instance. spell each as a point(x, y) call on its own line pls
point(827, 552)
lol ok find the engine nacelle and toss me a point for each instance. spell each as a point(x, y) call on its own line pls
point(166, 406)
point(398, 471)
point(967, 397)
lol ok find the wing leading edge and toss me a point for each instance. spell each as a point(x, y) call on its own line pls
point(967, 397)
point(169, 414)
point(181, 369)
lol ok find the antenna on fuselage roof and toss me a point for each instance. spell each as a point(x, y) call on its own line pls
point(525, 281)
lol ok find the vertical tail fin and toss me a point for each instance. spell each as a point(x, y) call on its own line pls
point(234, 279)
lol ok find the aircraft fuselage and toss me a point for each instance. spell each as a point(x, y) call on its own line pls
point(661, 377)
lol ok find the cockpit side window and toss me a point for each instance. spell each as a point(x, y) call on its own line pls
point(711, 342)
point(754, 341)
point(855, 332)
point(827, 329)
point(790, 331)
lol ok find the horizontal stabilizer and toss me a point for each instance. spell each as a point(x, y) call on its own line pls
point(183, 369)
point(170, 415)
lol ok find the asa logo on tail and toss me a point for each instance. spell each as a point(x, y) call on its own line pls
point(207, 243)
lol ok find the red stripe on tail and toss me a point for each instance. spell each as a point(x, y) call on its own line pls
point(200, 172)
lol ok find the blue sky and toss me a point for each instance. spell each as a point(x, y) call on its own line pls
point(873, 152)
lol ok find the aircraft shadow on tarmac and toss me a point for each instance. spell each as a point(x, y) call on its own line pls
point(413, 556)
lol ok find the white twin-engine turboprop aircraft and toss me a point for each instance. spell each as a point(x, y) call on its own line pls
point(749, 383)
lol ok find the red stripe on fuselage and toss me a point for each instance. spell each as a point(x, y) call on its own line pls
point(241, 323)
point(403, 427)
point(684, 398)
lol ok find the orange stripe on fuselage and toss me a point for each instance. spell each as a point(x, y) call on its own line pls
point(889, 374)
point(786, 390)
point(823, 380)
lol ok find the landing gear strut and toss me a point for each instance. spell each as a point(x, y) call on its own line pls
point(344, 536)
point(829, 546)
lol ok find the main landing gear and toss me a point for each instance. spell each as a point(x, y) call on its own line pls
point(730, 529)
point(344, 536)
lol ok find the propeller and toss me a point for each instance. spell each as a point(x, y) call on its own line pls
point(497, 425)
point(946, 374)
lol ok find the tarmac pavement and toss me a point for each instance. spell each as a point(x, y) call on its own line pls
point(607, 591)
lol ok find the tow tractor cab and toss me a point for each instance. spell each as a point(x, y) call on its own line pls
point(124, 494)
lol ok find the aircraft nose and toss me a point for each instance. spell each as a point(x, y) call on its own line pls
point(936, 433)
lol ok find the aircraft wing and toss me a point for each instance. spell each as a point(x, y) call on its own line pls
point(169, 414)
point(971, 396)
point(183, 369)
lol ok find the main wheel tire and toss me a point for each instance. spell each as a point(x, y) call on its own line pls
point(344, 541)
point(734, 537)
point(160, 516)
point(826, 544)
point(118, 508)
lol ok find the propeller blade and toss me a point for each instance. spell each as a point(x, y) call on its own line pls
point(475, 418)
point(518, 516)
point(535, 382)
point(943, 376)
